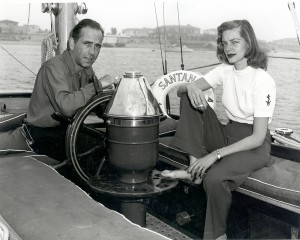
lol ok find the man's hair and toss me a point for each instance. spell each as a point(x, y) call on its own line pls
point(75, 33)
point(255, 56)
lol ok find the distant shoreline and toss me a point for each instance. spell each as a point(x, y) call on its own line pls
point(128, 45)
point(4, 42)
point(155, 46)
point(36, 43)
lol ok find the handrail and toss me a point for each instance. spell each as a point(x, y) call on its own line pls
point(214, 64)
point(293, 58)
point(209, 65)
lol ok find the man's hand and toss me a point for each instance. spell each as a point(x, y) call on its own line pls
point(107, 81)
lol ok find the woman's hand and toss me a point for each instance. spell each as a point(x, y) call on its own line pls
point(196, 96)
point(199, 167)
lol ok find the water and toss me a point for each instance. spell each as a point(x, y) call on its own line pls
point(116, 61)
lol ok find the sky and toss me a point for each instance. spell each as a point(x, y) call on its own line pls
point(271, 19)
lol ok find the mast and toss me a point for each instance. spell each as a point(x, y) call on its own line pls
point(65, 20)
point(64, 23)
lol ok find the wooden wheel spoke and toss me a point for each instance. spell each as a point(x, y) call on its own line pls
point(93, 132)
point(88, 152)
point(100, 166)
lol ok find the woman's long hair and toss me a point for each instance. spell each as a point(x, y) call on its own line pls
point(255, 56)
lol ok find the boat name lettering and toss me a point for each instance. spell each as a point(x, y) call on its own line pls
point(176, 77)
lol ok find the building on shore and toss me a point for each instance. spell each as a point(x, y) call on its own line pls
point(11, 31)
point(115, 40)
point(8, 26)
point(190, 35)
point(138, 32)
point(187, 32)
point(211, 31)
point(29, 29)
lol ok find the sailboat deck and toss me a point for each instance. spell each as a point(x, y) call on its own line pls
point(39, 203)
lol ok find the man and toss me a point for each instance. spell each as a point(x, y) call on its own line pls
point(64, 85)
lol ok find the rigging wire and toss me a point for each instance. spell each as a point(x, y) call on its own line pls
point(17, 60)
point(26, 38)
point(28, 20)
point(162, 59)
point(166, 71)
point(292, 8)
point(182, 65)
point(168, 104)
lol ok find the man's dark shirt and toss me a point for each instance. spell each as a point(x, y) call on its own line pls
point(61, 85)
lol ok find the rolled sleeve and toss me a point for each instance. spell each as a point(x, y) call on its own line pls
point(214, 77)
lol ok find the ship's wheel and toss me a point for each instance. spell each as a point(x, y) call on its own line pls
point(85, 139)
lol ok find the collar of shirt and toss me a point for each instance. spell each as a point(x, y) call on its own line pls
point(74, 68)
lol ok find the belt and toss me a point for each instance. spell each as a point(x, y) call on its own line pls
point(247, 124)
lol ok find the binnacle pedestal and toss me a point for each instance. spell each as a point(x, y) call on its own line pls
point(132, 125)
point(132, 196)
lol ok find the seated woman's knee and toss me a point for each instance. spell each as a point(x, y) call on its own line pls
point(184, 98)
point(212, 181)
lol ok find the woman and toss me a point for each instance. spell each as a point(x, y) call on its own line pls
point(243, 145)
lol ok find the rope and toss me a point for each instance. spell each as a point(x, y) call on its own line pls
point(76, 20)
point(49, 43)
point(285, 140)
point(47, 47)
